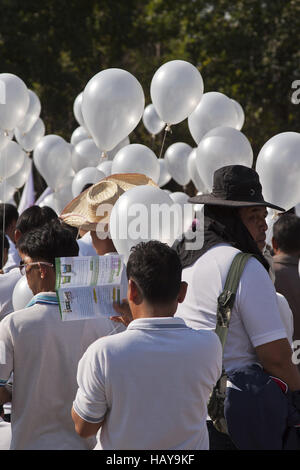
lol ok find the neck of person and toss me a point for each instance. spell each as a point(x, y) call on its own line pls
point(45, 285)
point(145, 310)
point(294, 254)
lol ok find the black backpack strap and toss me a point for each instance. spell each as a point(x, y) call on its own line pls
point(227, 297)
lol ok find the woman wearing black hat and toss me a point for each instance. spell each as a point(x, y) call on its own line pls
point(256, 408)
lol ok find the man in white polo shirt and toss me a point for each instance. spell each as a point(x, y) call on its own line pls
point(42, 351)
point(147, 387)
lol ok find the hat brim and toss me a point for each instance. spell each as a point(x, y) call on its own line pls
point(209, 199)
point(75, 213)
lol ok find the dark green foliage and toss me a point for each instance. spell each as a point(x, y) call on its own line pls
point(248, 49)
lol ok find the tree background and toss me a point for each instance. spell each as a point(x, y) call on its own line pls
point(247, 49)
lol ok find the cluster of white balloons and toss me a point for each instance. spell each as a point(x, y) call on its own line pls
point(19, 118)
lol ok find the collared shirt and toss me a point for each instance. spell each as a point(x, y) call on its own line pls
point(151, 383)
point(8, 282)
point(43, 352)
point(287, 282)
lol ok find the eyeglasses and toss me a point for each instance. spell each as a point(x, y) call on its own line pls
point(22, 266)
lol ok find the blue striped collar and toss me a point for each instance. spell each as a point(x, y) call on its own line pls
point(49, 298)
point(156, 323)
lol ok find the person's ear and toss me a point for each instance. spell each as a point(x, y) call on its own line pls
point(18, 235)
point(274, 244)
point(182, 292)
point(43, 271)
point(134, 294)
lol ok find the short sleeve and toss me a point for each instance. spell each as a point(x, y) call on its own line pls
point(258, 307)
point(90, 402)
point(6, 351)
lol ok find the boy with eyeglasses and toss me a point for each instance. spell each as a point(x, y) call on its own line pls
point(42, 351)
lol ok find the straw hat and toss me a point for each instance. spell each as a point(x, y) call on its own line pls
point(81, 212)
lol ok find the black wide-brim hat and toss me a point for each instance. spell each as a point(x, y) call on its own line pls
point(235, 186)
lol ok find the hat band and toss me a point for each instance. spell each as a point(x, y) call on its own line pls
point(250, 195)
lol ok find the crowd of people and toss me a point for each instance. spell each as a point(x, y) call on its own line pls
point(143, 378)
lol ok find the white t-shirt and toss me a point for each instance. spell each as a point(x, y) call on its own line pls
point(255, 318)
point(43, 352)
point(151, 383)
point(86, 247)
point(7, 284)
point(286, 316)
point(5, 435)
point(13, 256)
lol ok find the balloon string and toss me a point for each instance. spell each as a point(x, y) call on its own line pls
point(103, 157)
point(3, 221)
point(167, 129)
point(152, 141)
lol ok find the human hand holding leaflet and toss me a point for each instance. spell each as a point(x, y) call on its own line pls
point(123, 309)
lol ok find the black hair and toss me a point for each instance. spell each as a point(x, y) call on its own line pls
point(34, 217)
point(157, 269)
point(3, 244)
point(9, 213)
point(286, 232)
point(48, 242)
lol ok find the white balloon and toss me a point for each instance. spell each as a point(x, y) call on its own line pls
point(22, 294)
point(52, 157)
point(63, 195)
point(110, 155)
point(85, 153)
point(86, 176)
point(29, 140)
point(278, 166)
point(176, 89)
point(77, 109)
point(220, 147)
point(112, 106)
point(32, 114)
point(6, 191)
point(11, 159)
point(50, 201)
point(18, 179)
point(179, 197)
point(79, 134)
point(105, 167)
point(214, 110)
point(164, 175)
point(240, 115)
point(135, 217)
point(176, 158)
point(5, 137)
point(136, 158)
point(193, 172)
point(14, 101)
point(186, 209)
point(151, 120)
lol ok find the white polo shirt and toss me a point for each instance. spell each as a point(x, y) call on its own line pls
point(43, 353)
point(255, 317)
point(151, 383)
